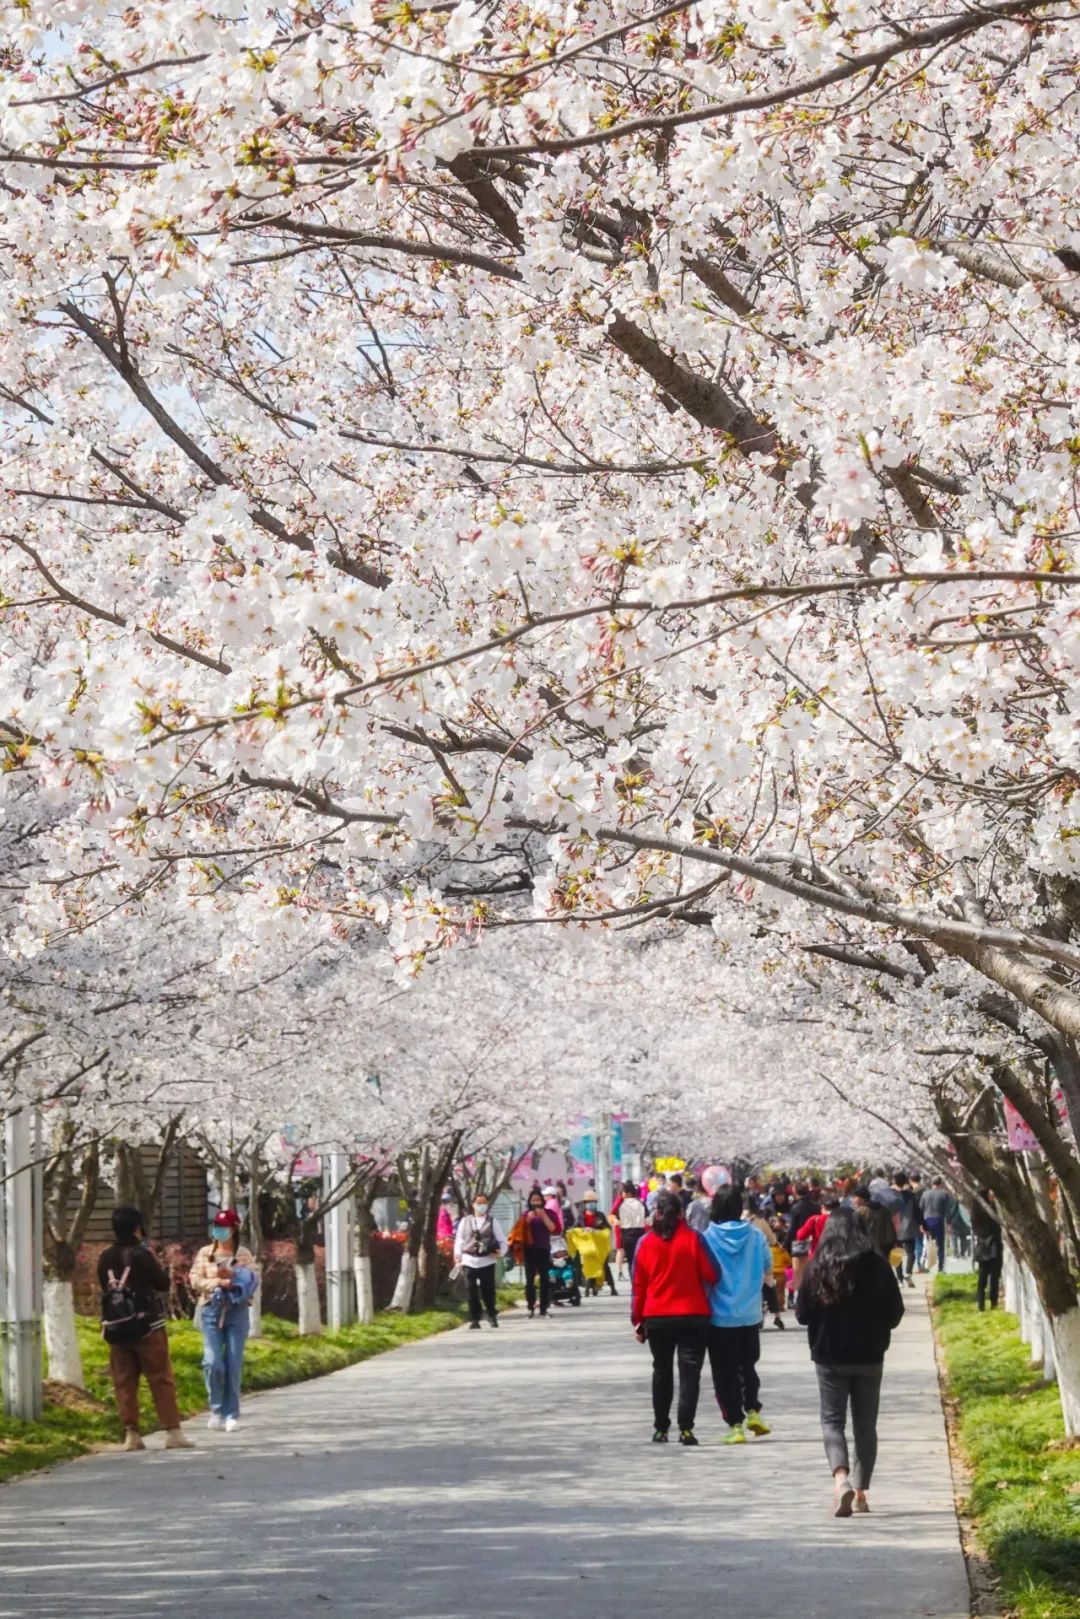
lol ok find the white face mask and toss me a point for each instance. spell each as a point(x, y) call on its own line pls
point(480, 1210)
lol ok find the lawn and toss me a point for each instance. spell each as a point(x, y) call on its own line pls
point(74, 1423)
point(1025, 1483)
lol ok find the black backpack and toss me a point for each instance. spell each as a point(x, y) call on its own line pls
point(125, 1317)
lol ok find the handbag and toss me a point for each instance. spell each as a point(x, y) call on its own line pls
point(800, 1248)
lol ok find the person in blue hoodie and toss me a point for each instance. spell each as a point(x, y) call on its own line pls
point(734, 1336)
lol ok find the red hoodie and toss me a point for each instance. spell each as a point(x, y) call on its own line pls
point(671, 1277)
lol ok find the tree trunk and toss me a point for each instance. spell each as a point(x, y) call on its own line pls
point(63, 1357)
point(1066, 1331)
point(255, 1241)
point(307, 1287)
point(403, 1291)
point(62, 1235)
point(365, 1290)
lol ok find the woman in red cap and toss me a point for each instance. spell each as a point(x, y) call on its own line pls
point(223, 1280)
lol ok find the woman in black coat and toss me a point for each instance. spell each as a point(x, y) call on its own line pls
point(849, 1302)
point(988, 1247)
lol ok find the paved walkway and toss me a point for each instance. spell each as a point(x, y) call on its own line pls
point(506, 1475)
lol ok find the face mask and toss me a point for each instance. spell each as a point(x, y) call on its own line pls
point(480, 1209)
point(221, 1233)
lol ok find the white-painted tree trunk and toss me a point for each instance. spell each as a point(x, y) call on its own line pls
point(61, 1341)
point(255, 1330)
point(365, 1289)
point(403, 1292)
point(1010, 1275)
point(307, 1300)
point(1024, 1301)
point(1035, 1326)
point(1049, 1363)
point(1066, 1330)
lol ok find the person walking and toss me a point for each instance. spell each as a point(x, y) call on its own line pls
point(223, 1279)
point(670, 1312)
point(849, 1303)
point(540, 1227)
point(988, 1248)
point(631, 1217)
point(935, 1206)
point(591, 1217)
point(743, 1261)
point(478, 1242)
point(907, 1222)
point(132, 1281)
point(772, 1289)
point(877, 1219)
point(698, 1210)
point(804, 1208)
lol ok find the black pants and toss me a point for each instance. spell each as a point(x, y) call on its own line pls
point(908, 1245)
point(481, 1284)
point(733, 1356)
point(537, 1264)
point(771, 1295)
point(631, 1236)
point(668, 1339)
point(989, 1278)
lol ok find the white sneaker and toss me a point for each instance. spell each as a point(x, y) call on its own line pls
point(231, 1424)
point(215, 1422)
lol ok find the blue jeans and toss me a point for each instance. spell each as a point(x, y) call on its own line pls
point(223, 1358)
point(935, 1227)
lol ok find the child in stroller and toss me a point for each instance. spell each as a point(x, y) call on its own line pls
point(565, 1285)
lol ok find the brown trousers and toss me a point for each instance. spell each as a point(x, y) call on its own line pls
point(148, 1357)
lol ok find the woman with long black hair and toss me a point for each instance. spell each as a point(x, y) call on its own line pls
point(673, 1272)
point(849, 1302)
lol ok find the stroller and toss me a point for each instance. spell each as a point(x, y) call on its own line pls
point(562, 1273)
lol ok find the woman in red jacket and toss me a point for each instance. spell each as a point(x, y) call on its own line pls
point(672, 1274)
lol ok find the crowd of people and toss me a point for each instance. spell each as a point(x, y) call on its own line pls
point(707, 1268)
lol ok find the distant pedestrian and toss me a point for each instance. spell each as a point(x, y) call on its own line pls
point(849, 1303)
point(698, 1210)
point(936, 1206)
point(224, 1279)
point(631, 1218)
point(478, 1242)
point(444, 1226)
point(805, 1206)
point(672, 1272)
point(743, 1262)
point(132, 1282)
point(540, 1227)
point(988, 1246)
point(591, 1217)
point(877, 1219)
point(908, 1218)
point(566, 1209)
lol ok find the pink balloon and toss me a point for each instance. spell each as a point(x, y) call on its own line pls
point(712, 1178)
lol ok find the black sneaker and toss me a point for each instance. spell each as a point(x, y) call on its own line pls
point(687, 1436)
point(660, 1436)
point(778, 1323)
point(474, 1326)
point(494, 1320)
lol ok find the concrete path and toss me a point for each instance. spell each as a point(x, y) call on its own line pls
point(506, 1475)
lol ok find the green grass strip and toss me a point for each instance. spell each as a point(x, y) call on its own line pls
point(73, 1423)
point(1025, 1480)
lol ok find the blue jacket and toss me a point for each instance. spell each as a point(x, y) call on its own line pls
point(743, 1256)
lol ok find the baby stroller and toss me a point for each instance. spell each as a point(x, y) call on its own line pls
point(565, 1287)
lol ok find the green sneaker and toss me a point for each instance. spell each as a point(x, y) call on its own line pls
point(660, 1436)
point(735, 1435)
point(756, 1424)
